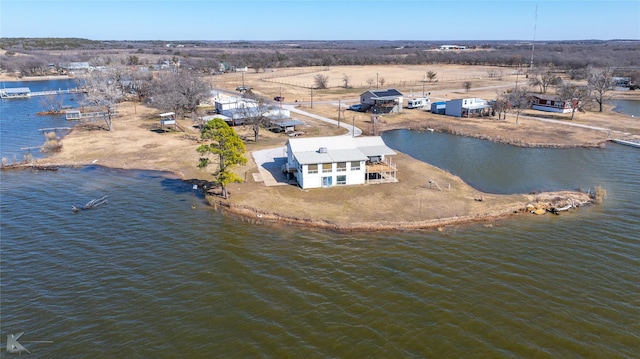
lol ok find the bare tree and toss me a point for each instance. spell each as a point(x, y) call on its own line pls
point(193, 89)
point(574, 93)
point(543, 77)
point(467, 85)
point(347, 81)
point(178, 92)
point(257, 116)
point(103, 93)
point(141, 83)
point(52, 103)
point(519, 100)
point(431, 75)
point(600, 82)
point(502, 105)
point(382, 81)
point(321, 81)
point(370, 82)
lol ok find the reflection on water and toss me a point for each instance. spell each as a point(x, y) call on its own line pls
point(145, 275)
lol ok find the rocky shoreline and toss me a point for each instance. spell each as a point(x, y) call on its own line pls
point(256, 216)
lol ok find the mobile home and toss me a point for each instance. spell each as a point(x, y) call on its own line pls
point(418, 102)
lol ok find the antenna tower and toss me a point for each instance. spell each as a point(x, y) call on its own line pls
point(535, 27)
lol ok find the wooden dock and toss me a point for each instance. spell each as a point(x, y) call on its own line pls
point(54, 92)
point(77, 115)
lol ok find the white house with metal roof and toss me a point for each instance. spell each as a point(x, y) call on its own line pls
point(317, 162)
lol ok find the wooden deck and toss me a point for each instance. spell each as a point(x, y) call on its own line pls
point(381, 172)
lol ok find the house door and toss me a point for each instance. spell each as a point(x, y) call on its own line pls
point(327, 181)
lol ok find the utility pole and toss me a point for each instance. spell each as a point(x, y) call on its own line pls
point(535, 27)
point(311, 97)
point(353, 127)
point(377, 83)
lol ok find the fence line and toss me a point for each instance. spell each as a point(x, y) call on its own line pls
point(402, 83)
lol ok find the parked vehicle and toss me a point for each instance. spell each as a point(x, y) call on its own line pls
point(357, 107)
point(418, 102)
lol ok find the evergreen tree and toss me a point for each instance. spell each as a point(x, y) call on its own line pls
point(228, 146)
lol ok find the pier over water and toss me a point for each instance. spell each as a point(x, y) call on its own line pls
point(25, 92)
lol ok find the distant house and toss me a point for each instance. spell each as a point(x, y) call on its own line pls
point(382, 101)
point(467, 107)
point(452, 47)
point(227, 103)
point(621, 83)
point(552, 104)
point(317, 162)
point(77, 67)
point(242, 115)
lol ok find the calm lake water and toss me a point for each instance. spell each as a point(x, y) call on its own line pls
point(630, 107)
point(147, 276)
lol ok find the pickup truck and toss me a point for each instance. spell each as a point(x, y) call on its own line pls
point(279, 98)
point(357, 107)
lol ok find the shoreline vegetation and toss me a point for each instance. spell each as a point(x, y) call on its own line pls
point(137, 143)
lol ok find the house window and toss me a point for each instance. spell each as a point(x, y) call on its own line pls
point(312, 169)
point(326, 167)
point(341, 167)
point(341, 179)
point(355, 165)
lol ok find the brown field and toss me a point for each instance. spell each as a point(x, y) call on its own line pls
point(294, 85)
point(137, 143)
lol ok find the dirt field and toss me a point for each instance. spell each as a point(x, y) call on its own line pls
point(294, 85)
point(137, 142)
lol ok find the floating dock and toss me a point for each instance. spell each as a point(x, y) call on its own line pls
point(25, 92)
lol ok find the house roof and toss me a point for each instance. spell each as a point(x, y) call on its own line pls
point(476, 106)
point(286, 122)
point(547, 97)
point(14, 90)
point(391, 93)
point(338, 149)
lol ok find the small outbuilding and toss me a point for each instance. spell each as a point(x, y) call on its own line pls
point(286, 125)
point(438, 107)
point(167, 118)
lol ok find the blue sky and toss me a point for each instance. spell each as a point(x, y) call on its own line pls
point(321, 20)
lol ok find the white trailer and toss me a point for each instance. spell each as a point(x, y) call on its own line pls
point(418, 102)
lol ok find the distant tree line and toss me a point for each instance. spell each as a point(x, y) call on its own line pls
point(206, 57)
